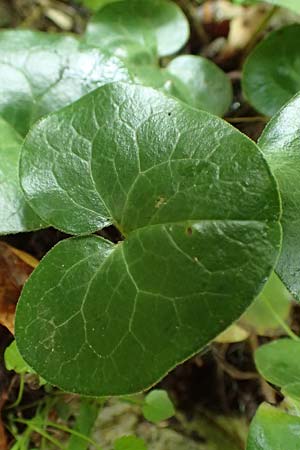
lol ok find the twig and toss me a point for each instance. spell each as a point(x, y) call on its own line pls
point(234, 372)
point(191, 13)
point(267, 391)
point(253, 119)
point(261, 27)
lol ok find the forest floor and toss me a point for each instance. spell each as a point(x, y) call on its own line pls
point(216, 393)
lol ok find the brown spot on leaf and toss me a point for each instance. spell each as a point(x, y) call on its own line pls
point(160, 201)
point(189, 231)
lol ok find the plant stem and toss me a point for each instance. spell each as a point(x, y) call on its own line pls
point(282, 323)
point(191, 13)
point(63, 428)
point(43, 433)
point(20, 393)
point(261, 27)
point(247, 119)
point(73, 432)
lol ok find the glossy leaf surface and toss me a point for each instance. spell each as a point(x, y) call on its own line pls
point(200, 210)
point(280, 143)
point(201, 83)
point(136, 155)
point(272, 71)
point(272, 429)
point(193, 79)
point(15, 213)
point(42, 72)
point(156, 24)
point(279, 362)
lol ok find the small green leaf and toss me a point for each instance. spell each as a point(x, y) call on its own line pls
point(201, 84)
point(155, 24)
point(272, 429)
point(200, 210)
point(42, 72)
point(279, 363)
point(15, 213)
point(271, 75)
point(118, 117)
point(271, 306)
point(280, 143)
point(130, 443)
point(14, 361)
point(158, 406)
point(193, 79)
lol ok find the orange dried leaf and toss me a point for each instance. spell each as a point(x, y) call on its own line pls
point(15, 268)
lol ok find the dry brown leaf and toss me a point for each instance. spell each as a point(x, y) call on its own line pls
point(15, 268)
point(245, 26)
point(3, 439)
point(3, 436)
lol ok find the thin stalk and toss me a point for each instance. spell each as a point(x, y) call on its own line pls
point(63, 428)
point(44, 416)
point(282, 323)
point(41, 432)
point(73, 432)
point(20, 393)
point(261, 27)
point(247, 119)
point(132, 401)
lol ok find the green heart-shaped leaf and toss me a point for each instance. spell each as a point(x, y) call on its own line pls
point(280, 143)
point(15, 213)
point(158, 406)
point(42, 72)
point(193, 79)
point(279, 363)
point(271, 75)
point(272, 429)
point(201, 84)
point(200, 209)
point(14, 361)
point(111, 182)
point(159, 25)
